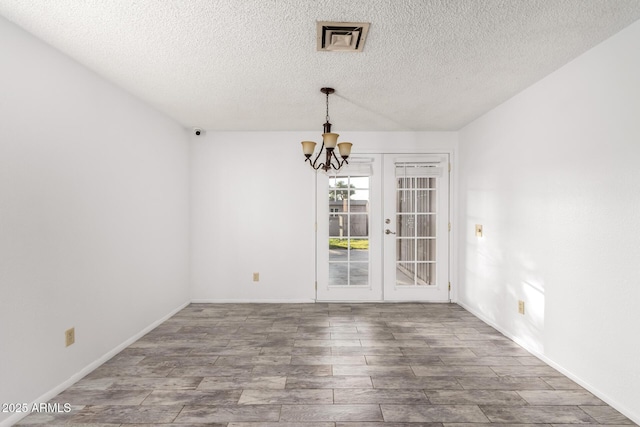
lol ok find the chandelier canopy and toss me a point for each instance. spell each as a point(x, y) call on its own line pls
point(329, 141)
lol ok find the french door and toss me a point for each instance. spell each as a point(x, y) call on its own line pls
point(416, 227)
point(382, 230)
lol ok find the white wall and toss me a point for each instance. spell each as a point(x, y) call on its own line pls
point(253, 199)
point(93, 217)
point(253, 211)
point(553, 177)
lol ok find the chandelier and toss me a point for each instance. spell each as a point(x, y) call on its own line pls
point(329, 141)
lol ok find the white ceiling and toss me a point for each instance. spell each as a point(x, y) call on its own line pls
point(253, 64)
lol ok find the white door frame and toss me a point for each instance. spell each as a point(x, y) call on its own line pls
point(322, 231)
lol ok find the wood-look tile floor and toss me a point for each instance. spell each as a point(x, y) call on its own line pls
point(326, 365)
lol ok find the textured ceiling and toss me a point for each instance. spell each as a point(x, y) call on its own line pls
point(253, 64)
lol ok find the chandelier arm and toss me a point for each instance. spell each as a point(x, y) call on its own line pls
point(343, 162)
point(313, 165)
point(315, 160)
point(318, 166)
point(339, 163)
point(308, 159)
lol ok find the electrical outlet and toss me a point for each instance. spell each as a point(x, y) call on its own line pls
point(478, 230)
point(521, 307)
point(70, 336)
point(256, 277)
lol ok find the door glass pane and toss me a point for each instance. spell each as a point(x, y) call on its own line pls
point(349, 230)
point(405, 225)
point(425, 201)
point(426, 250)
point(405, 200)
point(405, 250)
point(415, 228)
point(358, 274)
point(426, 226)
point(338, 249)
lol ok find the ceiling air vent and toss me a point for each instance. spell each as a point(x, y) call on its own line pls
point(342, 36)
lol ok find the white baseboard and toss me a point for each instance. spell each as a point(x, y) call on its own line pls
point(627, 412)
point(89, 368)
point(302, 301)
point(251, 301)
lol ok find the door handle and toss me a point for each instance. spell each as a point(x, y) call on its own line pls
point(387, 231)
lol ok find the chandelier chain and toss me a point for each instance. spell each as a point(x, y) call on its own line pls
point(327, 117)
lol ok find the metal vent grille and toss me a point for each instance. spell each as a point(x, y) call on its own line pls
point(342, 36)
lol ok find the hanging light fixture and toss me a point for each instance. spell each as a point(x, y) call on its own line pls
point(329, 141)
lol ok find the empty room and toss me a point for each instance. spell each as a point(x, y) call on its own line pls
point(319, 213)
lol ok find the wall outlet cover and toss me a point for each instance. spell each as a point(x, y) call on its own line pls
point(70, 336)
